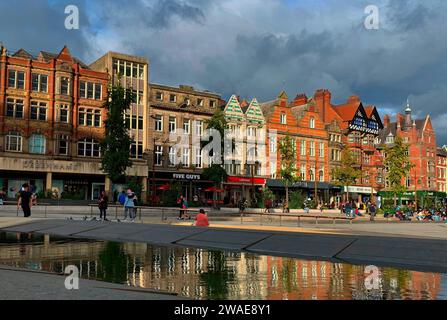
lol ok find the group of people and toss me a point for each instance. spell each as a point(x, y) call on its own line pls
point(127, 199)
point(421, 214)
point(352, 209)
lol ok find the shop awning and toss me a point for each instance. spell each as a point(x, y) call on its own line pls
point(275, 183)
point(214, 189)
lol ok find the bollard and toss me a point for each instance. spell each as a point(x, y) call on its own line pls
point(299, 221)
point(316, 221)
point(116, 213)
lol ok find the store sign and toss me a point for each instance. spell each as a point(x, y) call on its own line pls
point(186, 176)
point(59, 166)
point(258, 181)
point(361, 190)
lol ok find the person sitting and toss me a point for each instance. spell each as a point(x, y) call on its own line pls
point(202, 219)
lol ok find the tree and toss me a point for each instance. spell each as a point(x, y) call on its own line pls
point(288, 164)
point(216, 172)
point(117, 143)
point(397, 162)
point(348, 173)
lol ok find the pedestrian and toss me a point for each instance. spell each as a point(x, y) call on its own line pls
point(25, 200)
point(103, 203)
point(202, 219)
point(122, 198)
point(180, 202)
point(3, 196)
point(242, 205)
point(129, 204)
point(372, 211)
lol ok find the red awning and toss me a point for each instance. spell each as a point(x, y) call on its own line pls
point(214, 189)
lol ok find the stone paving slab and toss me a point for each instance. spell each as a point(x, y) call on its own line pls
point(28, 285)
point(225, 239)
point(36, 226)
point(418, 254)
point(306, 245)
point(160, 236)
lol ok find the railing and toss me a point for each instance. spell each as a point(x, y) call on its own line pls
point(297, 216)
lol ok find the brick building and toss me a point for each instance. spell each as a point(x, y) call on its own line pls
point(423, 152)
point(51, 123)
point(441, 169)
point(303, 122)
point(359, 127)
point(181, 111)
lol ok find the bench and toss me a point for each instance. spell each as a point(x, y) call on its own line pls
point(298, 216)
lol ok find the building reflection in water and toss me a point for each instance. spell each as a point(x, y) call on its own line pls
point(207, 274)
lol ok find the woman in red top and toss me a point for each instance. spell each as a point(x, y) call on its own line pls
point(202, 219)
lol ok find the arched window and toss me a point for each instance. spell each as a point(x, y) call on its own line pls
point(14, 142)
point(37, 144)
point(89, 148)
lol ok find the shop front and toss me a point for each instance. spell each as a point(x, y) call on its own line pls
point(165, 187)
point(424, 198)
point(326, 193)
point(362, 195)
point(56, 179)
point(238, 188)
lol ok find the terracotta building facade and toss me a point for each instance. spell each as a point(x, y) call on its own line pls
point(51, 123)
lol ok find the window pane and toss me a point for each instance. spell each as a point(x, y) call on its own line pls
point(82, 89)
point(43, 83)
point(20, 80)
point(98, 91)
point(89, 90)
point(35, 81)
point(12, 79)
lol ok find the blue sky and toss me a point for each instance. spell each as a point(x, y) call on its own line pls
point(255, 48)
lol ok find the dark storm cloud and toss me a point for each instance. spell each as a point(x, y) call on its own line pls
point(36, 25)
point(256, 48)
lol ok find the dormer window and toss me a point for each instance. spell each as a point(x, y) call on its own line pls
point(390, 139)
point(283, 118)
point(312, 123)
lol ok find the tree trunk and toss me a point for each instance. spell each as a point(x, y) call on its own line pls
point(395, 200)
point(287, 196)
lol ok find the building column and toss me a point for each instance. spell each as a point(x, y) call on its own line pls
point(144, 189)
point(49, 182)
point(108, 187)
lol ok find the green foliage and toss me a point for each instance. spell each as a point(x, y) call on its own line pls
point(215, 173)
point(348, 172)
point(297, 199)
point(288, 170)
point(116, 144)
point(169, 197)
point(397, 162)
point(267, 194)
point(218, 122)
point(288, 161)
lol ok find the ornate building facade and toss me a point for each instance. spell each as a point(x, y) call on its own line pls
point(51, 123)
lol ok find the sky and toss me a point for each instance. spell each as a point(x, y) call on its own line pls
point(257, 48)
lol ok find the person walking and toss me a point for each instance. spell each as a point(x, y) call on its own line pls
point(129, 204)
point(103, 203)
point(181, 203)
point(372, 211)
point(25, 200)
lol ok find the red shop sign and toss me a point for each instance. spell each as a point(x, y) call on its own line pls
point(258, 181)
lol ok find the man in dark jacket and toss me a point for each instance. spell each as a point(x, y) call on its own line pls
point(25, 200)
